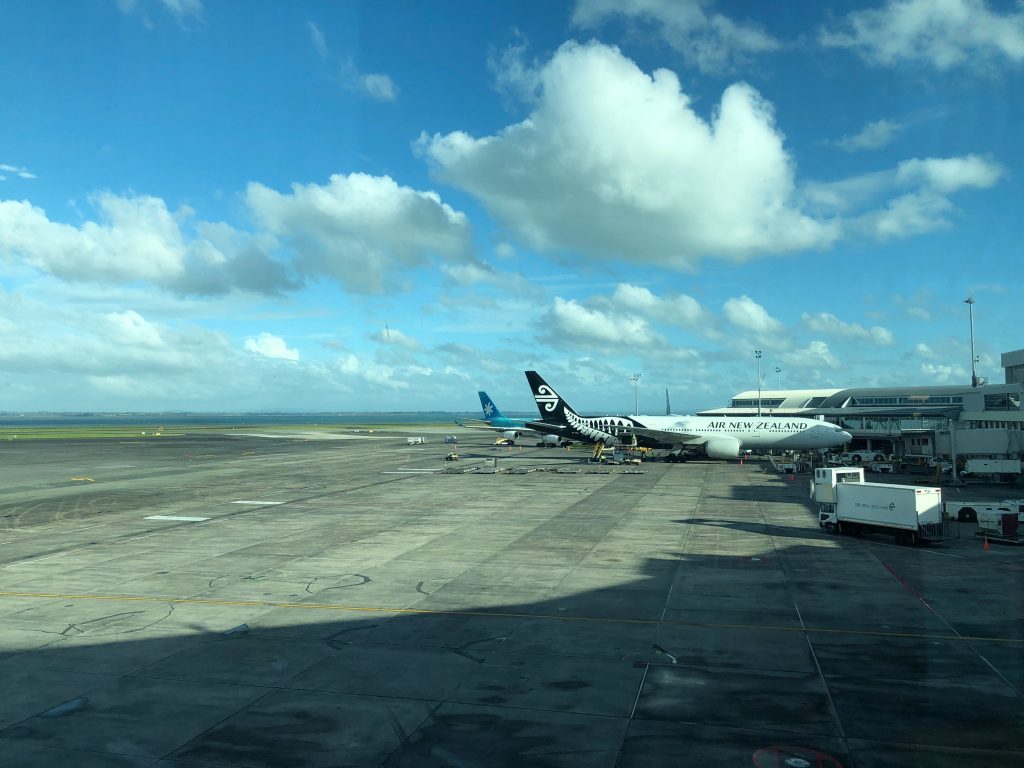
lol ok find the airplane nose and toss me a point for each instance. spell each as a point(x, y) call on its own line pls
point(847, 437)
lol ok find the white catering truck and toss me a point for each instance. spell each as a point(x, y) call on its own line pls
point(910, 513)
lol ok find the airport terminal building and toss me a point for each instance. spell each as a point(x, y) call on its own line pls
point(956, 421)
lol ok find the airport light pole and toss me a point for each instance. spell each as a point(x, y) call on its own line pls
point(757, 356)
point(635, 377)
point(969, 301)
point(778, 372)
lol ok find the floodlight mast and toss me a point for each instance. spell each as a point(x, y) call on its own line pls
point(757, 355)
point(969, 301)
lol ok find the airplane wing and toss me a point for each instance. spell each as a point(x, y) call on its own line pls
point(668, 438)
point(473, 424)
point(481, 424)
point(549, 428)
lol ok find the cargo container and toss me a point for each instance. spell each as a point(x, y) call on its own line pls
point(991, 467)
point(910, 513)
point(1003, 523)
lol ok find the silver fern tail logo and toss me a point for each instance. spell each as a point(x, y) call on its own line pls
point(546, 398)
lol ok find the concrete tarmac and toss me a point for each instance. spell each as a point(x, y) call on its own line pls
point(242, 600)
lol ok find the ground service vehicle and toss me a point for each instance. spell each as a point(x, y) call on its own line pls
point(910, 513)
point(991, 467)
point(1004, 523)
point(968, 511)
point(861, 457)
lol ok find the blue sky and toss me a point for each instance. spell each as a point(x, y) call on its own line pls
point(390, 205)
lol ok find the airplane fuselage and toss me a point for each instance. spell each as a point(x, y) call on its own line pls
point(785, 433)
point(756, 432)
point(717, 437)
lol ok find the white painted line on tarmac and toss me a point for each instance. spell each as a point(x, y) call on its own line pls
point(407, 471)
point(37, 559)
point(916, 550)
point(83, 528)
point(260, 503)
point(177, 517)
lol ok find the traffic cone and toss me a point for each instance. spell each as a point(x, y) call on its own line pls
point(985, 545)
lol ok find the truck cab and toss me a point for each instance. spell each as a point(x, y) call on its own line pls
point(827, 518)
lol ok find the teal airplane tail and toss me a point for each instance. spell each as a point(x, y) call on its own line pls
point(489, 408)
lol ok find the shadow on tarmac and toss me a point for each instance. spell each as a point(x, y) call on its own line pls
point(708, 659)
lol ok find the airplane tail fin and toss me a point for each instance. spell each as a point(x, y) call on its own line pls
point(549, 404)
point(489, 408)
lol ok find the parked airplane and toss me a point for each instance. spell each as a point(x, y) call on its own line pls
point(716, 437)
point(510, 429)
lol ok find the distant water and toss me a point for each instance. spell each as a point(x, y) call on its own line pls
point(228, 419)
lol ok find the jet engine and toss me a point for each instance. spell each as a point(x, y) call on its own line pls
point(511, 434)
point(553, 441)
point(722, 448)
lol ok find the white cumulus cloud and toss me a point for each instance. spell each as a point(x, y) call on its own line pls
point(132, 328)
point(745, 313)
point(471, 273)
point(363, 231)
point(814, 355)
point(373, 373)
point(942, 374)
point(678, 309)
point(137, 238)
point(948, 174)
point(872, 136)
point(269, 345)
point(940, 33)
point(912, 198)
point(615, 163)
point(377, 86)
point(826, 322)
point(569, 322)
point(394, 336)
point(710, 41)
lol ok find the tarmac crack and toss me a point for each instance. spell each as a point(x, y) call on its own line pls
point(365, 580)
point(332, 642)
point(77, 626)
point(403, 737)
point(468, 655)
